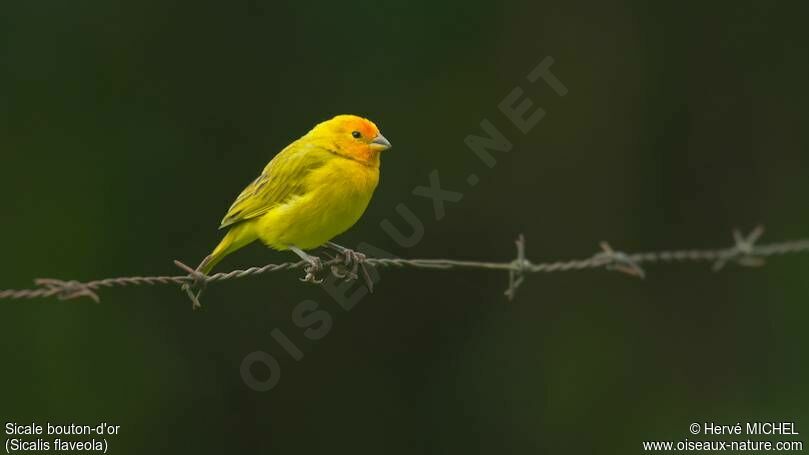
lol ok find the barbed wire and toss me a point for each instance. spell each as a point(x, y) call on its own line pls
point(744, 252)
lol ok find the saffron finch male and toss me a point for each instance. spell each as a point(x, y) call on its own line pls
point(312, 191)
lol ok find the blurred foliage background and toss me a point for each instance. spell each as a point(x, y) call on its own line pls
point(128, 127)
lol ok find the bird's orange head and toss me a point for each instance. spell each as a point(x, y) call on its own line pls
point(351, 136)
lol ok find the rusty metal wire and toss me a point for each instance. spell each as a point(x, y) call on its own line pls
point(744, 252)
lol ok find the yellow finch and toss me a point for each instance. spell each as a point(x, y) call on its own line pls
point(315, 189)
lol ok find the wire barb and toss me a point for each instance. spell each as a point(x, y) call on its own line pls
point(67, 290)
point(516, 275)
point(743, 252)
point(197, 282)
point(618, 261)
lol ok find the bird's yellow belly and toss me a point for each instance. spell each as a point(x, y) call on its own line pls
point(338, 199)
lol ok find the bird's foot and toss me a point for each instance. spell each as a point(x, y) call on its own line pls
point(313, 266)
point(349, 264)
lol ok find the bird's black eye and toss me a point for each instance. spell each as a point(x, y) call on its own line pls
point(356, 134)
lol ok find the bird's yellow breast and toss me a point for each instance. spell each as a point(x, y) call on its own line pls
point(337, 195)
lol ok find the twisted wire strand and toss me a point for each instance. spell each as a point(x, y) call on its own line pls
point(744, 252)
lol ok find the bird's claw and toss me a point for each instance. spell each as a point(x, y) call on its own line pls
point(313, 266)
point(310, 278)
point(344, 273)
point(352, 263)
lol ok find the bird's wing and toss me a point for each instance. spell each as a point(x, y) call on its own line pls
point(282, 179)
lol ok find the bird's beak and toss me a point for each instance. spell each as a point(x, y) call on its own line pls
point(380, 144)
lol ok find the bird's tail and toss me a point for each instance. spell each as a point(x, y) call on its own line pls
point(237, 237)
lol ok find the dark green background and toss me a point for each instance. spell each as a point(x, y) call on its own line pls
point(129, 127)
